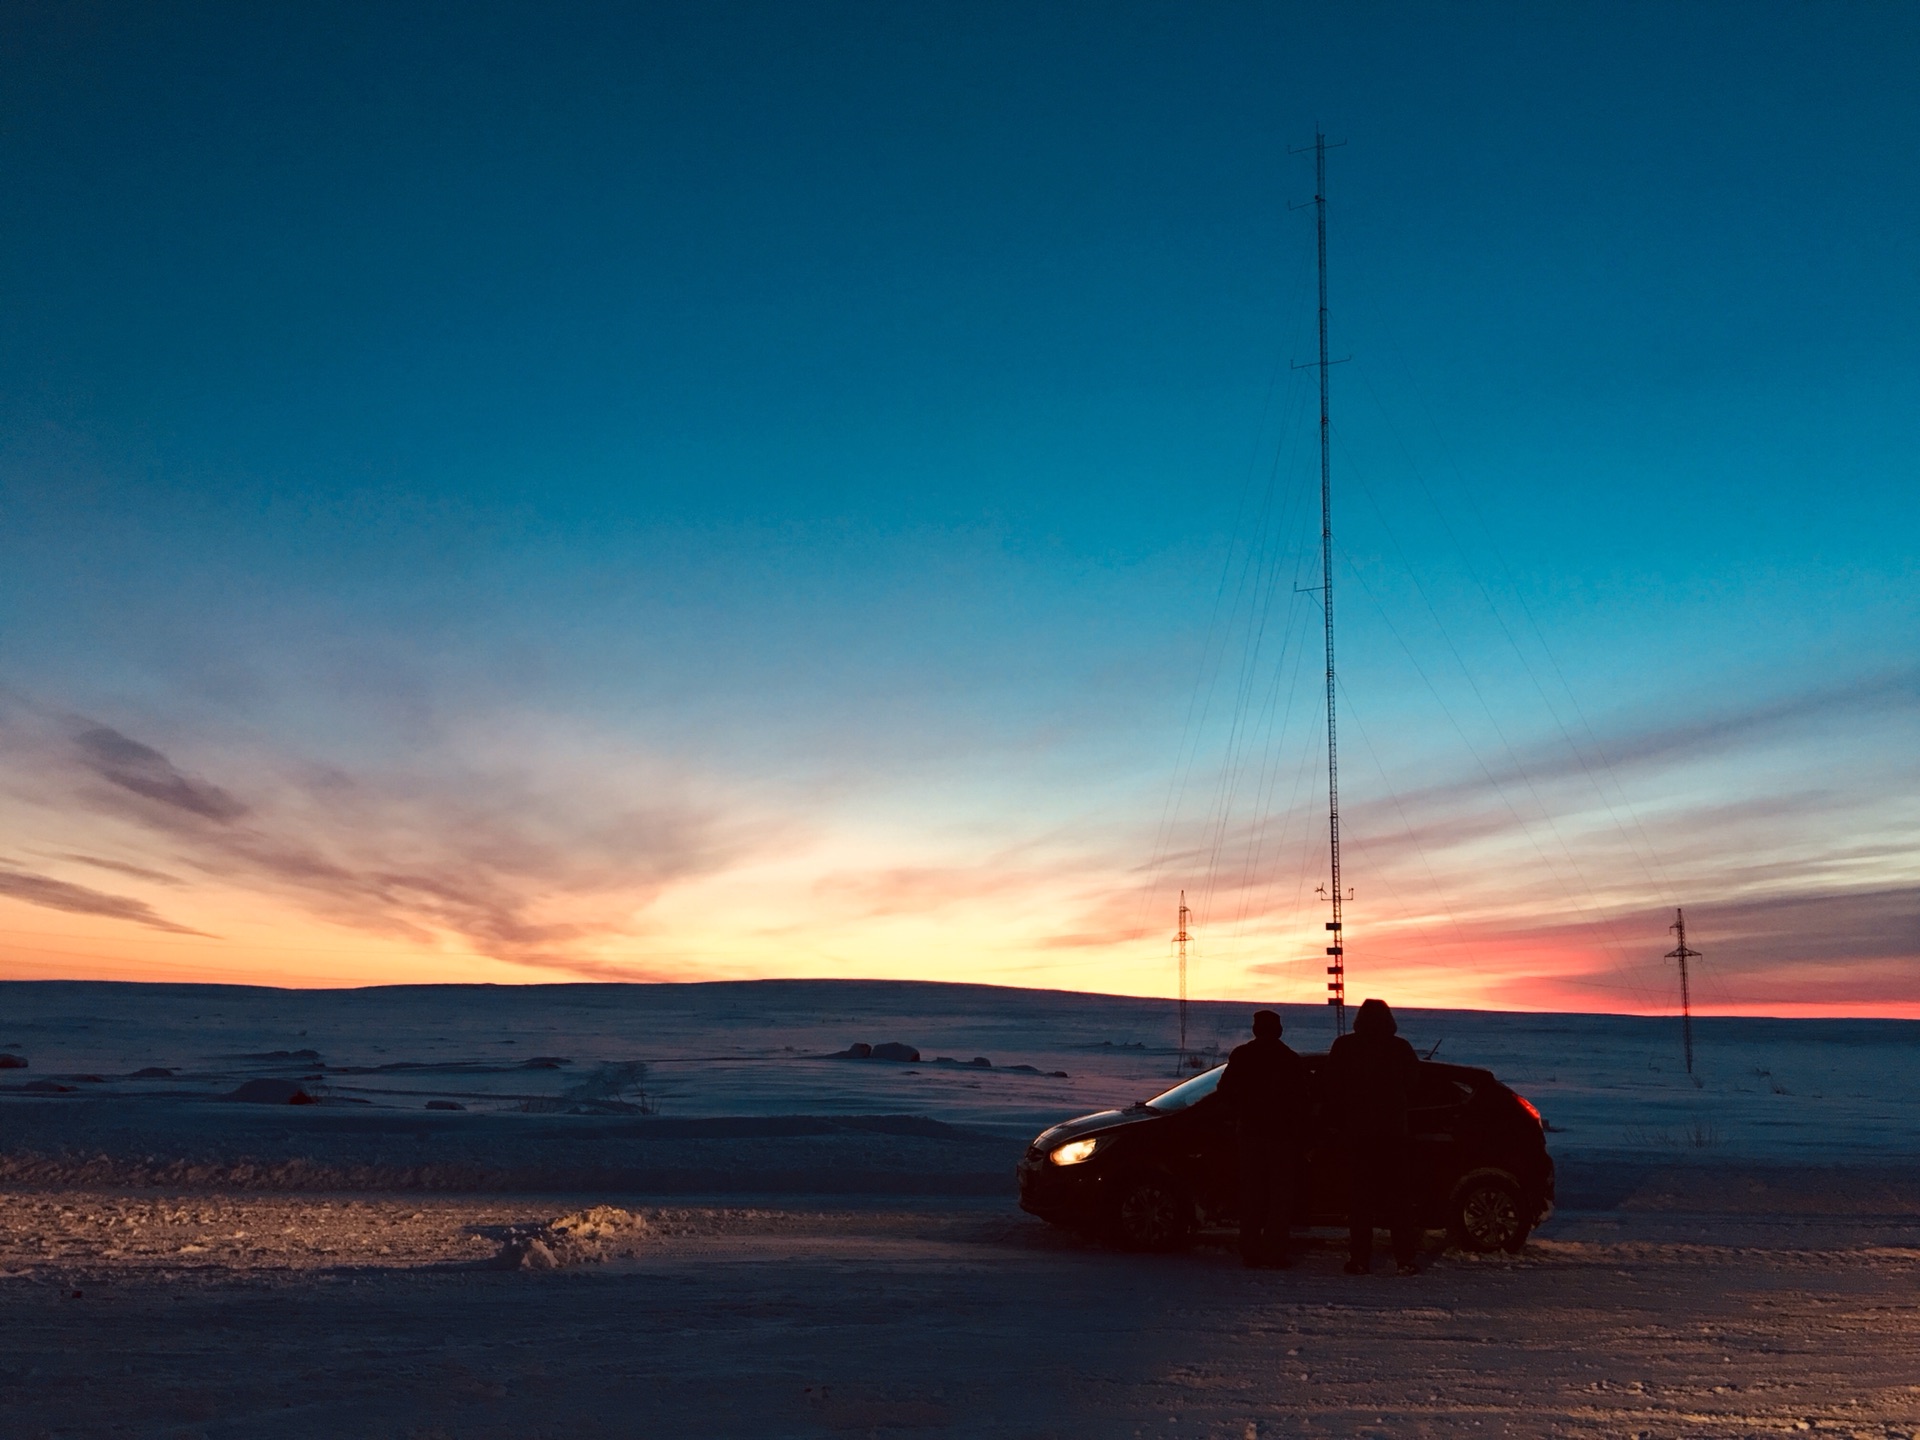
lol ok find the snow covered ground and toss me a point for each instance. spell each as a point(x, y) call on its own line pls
point(778, 1243)
point(1798, 1091)
point(375, 1316)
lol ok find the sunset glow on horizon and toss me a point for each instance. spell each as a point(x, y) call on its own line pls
point(155, 872)
point(650, 496)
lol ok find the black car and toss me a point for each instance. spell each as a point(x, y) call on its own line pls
point(1151, 1175)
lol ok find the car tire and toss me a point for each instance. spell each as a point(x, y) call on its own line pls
point(1153, 1214)
point(1486, 1214)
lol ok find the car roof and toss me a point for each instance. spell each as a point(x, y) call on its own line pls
point(1474, 1075)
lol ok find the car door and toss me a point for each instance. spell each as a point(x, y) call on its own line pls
point(1433, 1123)
point(1210, 1160)
point(1324, 1195)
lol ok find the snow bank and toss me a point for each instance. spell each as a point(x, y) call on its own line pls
point(584, 1237)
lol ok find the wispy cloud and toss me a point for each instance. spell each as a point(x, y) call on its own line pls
point(121, 867)
point(141, 770)
point(1609, 758)
point(929, 889)
point(1785, 828)
point(515, 868)
point(1805, 930)
point(80, 900)
point(1834, 947)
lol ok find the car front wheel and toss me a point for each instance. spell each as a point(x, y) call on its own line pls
point(1486, 1215)
point(1153, 1214)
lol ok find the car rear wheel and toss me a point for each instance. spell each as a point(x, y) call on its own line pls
point(1487, 1216)
point(1153, 1214)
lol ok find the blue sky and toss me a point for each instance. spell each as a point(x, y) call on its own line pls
point(768, 489)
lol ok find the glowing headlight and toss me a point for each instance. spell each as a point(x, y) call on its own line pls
point(1074, 1151)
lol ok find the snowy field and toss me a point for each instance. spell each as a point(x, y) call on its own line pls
point(663, 1210)
point(680, 1087)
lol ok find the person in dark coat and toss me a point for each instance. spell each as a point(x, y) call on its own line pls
point(1265, 1088)
point(1371, 1075)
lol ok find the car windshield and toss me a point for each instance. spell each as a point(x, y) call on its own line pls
point(1188, 1091)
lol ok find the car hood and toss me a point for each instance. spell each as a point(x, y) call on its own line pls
point(1091, 1124)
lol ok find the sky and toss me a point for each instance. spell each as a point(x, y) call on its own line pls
point(498, 492)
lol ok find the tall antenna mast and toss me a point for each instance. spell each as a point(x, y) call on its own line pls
point(1681, 953)
point(1180, 939)
point(1337, 951)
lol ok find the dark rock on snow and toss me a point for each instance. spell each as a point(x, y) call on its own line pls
point(307, 1057)
point(271, 1092)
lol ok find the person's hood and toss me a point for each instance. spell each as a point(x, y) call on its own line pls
point(1375, 1019)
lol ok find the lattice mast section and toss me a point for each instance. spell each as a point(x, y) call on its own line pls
point(1180, 939)
point(1681, 953)
point(1337, 951)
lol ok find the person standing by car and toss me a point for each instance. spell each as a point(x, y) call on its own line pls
point(1371, 1075)
point(1265, 1089)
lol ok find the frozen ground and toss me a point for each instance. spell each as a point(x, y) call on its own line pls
point(289, 1316)
point(805, 1246)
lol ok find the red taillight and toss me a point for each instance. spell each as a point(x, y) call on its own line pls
point(1527, 1105)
